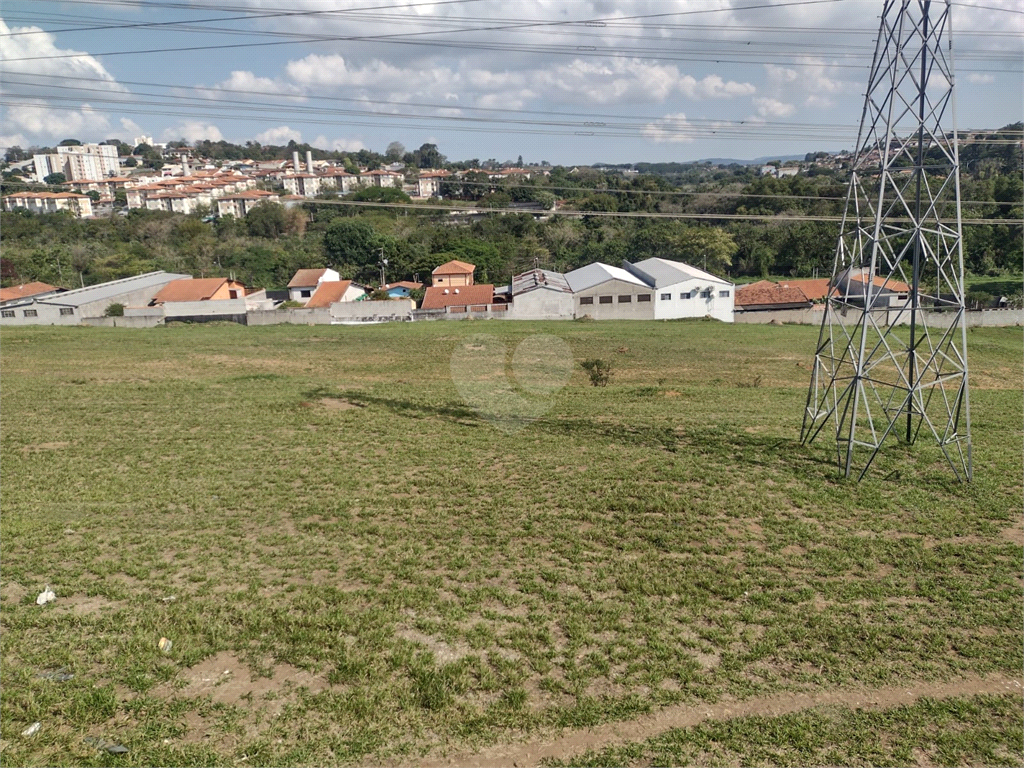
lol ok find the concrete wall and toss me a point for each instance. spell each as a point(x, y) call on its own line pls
point(211, 308)
point(617, 309)
point(128, 321)
point(541, 304)
point(986, 318)
point(372, 311)
point(294, 316)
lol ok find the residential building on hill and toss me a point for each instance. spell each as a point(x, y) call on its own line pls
point(50, 202)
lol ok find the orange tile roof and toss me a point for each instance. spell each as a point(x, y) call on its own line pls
point(328, 293)
point(455, 267)
point(27, 289)
point(200, 289)
point(765, 293)
point(892, 285)
point(815, 289)
point(306, 277)
point(464, 295)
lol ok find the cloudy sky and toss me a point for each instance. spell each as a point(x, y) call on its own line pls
point(567, 81)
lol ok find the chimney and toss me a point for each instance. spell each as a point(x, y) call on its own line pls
point(309, 161)
point(295, 161)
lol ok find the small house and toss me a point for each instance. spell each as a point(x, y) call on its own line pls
point(304, 283)
point(453, 273)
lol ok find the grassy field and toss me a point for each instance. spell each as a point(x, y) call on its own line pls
point(357, 566)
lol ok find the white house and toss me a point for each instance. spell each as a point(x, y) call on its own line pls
point(305, 282)
point(610, 293)
point(541, 295)
point(682, 290)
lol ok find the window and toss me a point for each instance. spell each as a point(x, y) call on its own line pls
point(685, 295)
point(705, 294)
point(232, 294)
point(625, 299)
point(666, 297)
point(67, 310)
point(7, 313)
point(586, 299)
point(644, 297)
point(304, 294)
point(723, 294)
point(30, 313)
point(605, 300)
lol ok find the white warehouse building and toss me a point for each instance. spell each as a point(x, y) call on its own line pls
point(681, 290)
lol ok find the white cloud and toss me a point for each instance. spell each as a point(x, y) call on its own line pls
point(193, 130)
point(37, 117)
point(36, 47)
point(14, 140)
point(670, 129)
point(819, 102)
point(338, 145)
point(978, 79)
point(280, 135)
point(133, 128)
point(767, 107)
point(32, 57)
point(714, 87)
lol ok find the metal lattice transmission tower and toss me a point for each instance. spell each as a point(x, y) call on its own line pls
point(891, 361)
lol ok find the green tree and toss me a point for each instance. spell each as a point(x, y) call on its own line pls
point(55, 179)
point(352, 246)
point(266, 220)
point(709, 248)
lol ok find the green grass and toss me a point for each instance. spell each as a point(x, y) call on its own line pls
point(984, 730)
point(405, 577)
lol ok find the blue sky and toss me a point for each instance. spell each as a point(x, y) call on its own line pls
point(565, 81)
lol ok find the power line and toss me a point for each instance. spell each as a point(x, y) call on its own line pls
point(474, 210)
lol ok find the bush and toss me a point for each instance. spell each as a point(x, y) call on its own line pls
point(114, 310)
point(599, 371)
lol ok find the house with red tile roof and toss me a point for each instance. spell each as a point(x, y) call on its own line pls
point(333, 292)
point(765, 295)
point(305, 282)
point(472, 298)
point(200, 289)
point(453, 273)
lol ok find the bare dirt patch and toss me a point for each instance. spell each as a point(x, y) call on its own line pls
point(1014, 533)
point(80, 605)
point(337, 404)
point(38, 447)
point(444, 652)
point(573, 743)
point(227, 680)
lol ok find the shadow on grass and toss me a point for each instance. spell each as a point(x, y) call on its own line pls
point(770, 452)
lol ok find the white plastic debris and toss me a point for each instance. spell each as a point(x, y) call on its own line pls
point(46, 596)
point(32, 730)
point(165, 645)
point(169, 598)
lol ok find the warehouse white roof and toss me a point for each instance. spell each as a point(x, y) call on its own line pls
point(594, 274)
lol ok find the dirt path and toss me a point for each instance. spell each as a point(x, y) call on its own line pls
point(530, 753)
